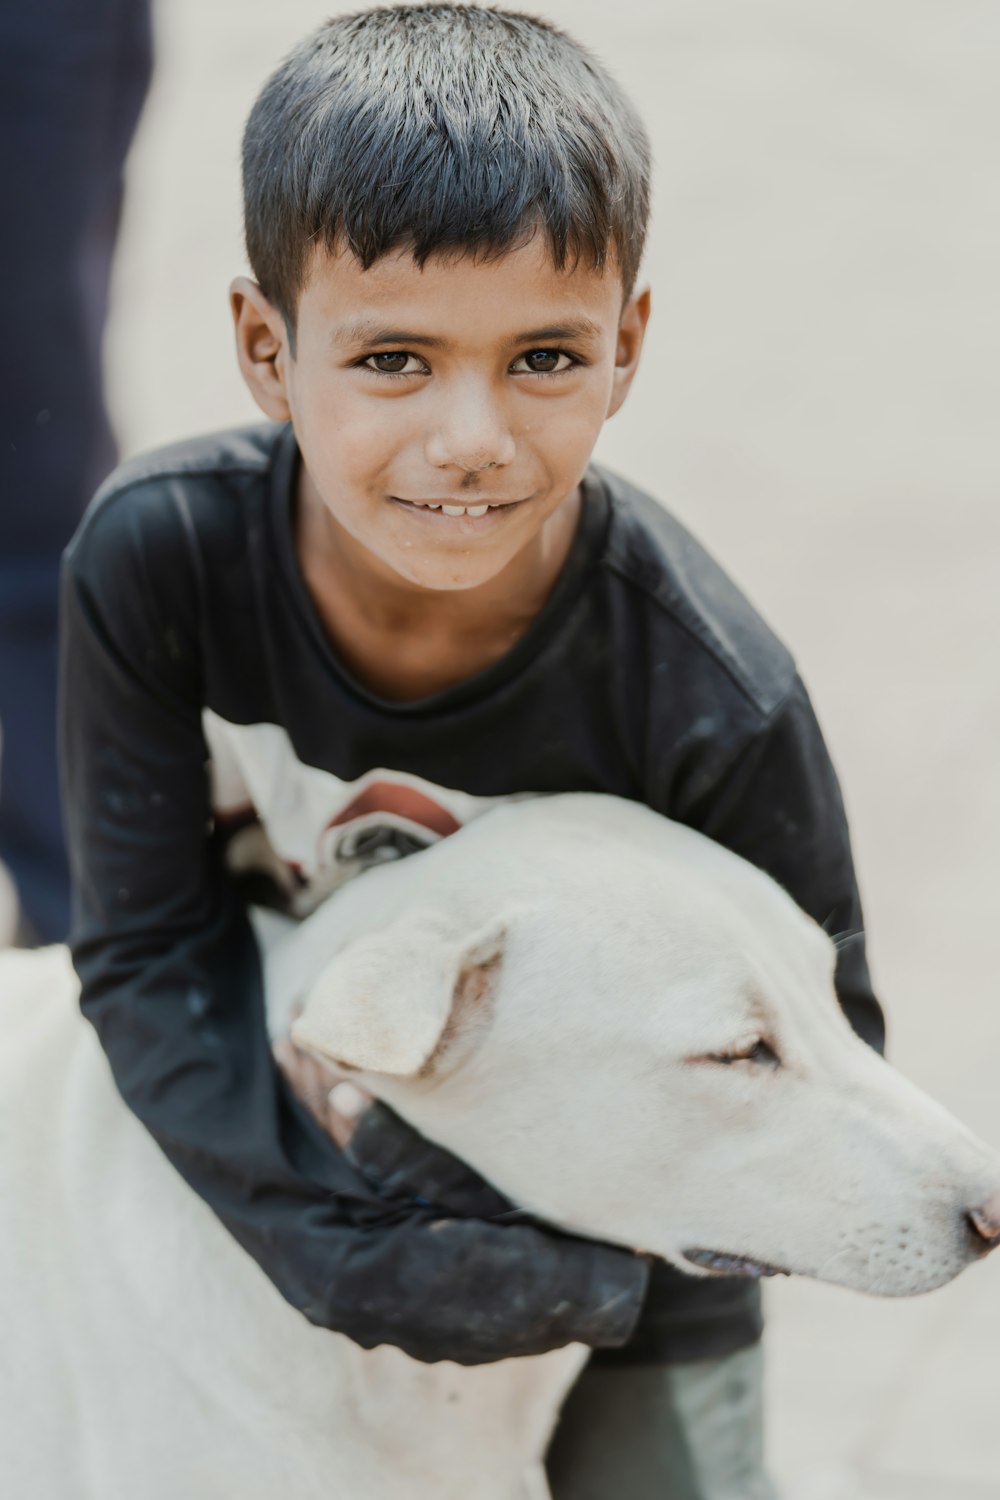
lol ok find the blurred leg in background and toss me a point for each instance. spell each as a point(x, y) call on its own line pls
point(692, 1431)
point(73, 76)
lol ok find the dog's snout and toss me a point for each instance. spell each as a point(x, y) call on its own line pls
point(985, 1220)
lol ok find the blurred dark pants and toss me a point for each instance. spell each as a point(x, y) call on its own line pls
point(73, 75)
point(690, 1431)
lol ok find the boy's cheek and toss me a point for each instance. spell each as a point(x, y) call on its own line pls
point(343, 457)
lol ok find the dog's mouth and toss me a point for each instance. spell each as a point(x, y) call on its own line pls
point(731, 1265)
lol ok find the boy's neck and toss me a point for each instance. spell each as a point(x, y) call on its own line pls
point(404, 642)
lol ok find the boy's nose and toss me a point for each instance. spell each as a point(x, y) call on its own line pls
point(471, 436)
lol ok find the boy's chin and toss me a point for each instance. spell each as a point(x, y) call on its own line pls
point(444, 574)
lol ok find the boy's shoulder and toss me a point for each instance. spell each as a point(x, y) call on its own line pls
point(690, 595)
point(150, 498)
point(235, 450)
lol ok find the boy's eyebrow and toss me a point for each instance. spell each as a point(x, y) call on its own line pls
point(369, 331)
point(573, 328)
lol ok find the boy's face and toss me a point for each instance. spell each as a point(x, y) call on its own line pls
point(463, 384)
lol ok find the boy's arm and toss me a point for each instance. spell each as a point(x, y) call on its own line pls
point(779, 805)
point(171, 981)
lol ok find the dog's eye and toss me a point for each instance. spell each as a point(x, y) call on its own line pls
point(757, 1052)
point(763, 1052)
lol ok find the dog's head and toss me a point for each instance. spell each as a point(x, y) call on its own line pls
point(635, 1035)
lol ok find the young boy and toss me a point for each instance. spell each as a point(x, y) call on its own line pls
point(333, 639)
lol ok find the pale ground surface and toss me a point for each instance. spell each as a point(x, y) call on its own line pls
point(819, 403)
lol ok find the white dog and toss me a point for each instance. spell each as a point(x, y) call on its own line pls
point(626, 1029)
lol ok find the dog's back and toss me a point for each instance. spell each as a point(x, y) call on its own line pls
point(146, 1354)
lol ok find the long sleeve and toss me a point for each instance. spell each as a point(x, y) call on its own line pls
point(171, 981)
point(777, 803)
point(779, 806)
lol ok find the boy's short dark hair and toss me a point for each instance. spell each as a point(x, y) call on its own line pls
point(440, 127)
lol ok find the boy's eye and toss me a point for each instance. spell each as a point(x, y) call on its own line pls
point(394, 362)
point(545, 362)
point(535, 362)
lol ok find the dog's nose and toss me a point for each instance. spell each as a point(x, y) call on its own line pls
point(985, 1220)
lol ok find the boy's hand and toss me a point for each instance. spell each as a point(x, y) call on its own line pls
point(404, 1166)
point(557, 1289)
point(332, 1100)
point(399, 1162)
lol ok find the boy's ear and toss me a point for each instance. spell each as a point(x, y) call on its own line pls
point(389, 1001)
point(631, 332)
point(261, 348)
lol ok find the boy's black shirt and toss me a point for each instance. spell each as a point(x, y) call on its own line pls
point(199, 693)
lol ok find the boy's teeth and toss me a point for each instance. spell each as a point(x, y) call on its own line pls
point(453, 510)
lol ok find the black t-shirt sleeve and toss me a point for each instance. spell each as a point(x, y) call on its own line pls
point(171, 981)
point(779, 805)
point(776, 802)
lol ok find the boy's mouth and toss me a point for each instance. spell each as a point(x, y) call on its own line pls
point(467, 515)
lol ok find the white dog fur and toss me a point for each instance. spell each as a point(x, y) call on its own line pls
point(548, 994)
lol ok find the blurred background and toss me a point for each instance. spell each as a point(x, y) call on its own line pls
point(819, 404)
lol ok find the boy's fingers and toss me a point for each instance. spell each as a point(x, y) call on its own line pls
point(333, 1101)
point(348, 1100)
point(345, 1104)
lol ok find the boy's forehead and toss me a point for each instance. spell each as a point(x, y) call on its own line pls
point(458, 295)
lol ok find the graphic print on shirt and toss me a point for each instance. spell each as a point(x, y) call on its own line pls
point(295, 833)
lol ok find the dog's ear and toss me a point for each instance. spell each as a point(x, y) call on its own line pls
point(384, 1004)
